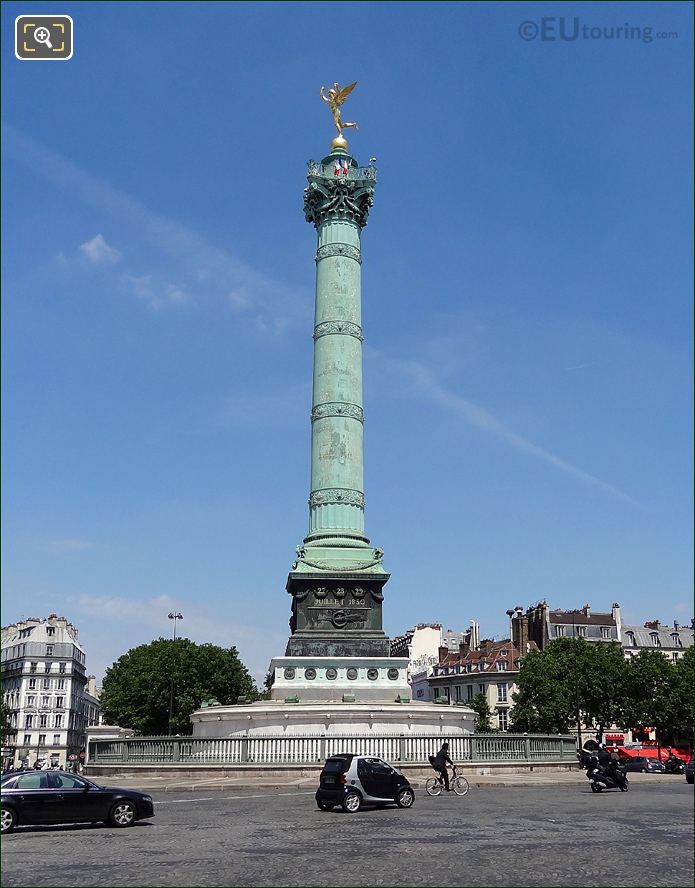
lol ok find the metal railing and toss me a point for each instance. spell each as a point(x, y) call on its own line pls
point(308, 749)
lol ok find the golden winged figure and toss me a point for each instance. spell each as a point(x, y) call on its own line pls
point(335, 98)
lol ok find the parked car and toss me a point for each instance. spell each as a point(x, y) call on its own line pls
point(644, 764)
point(689, 769)
point(32, 797)
point(355, 780)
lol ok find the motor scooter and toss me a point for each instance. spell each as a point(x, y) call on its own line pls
point(606, 777)
point(674, 765)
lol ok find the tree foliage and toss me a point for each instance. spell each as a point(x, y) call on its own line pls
point(8, 732)
point(137, 688)
point(572, 679)
point(483, 721)
point(659, 695)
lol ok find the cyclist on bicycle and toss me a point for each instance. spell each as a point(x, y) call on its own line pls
point(439, 762)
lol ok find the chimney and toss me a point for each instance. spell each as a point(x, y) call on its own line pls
point(652, 624)
point(676, 625)
point(615, 613)
point(586, 610)
point(443, 651)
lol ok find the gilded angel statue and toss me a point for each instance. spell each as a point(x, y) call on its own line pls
point(335, 98)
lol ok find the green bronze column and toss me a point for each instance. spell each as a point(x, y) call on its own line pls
point(338, 576)
point(337, 202)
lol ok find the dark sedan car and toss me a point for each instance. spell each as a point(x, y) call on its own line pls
point(644, 764)
point(31, 797)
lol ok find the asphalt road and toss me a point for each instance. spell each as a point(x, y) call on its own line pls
point(554, 836)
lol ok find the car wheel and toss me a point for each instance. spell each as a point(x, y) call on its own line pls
point(8, 820)
point(325, 806)
point(352, 803)
point(122, 814)
point(595, 787)
point(405, 797)
point(644, 770)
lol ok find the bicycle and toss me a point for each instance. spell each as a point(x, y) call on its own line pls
point(458, 783)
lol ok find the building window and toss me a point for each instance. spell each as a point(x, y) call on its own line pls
point(605, 632)
point(32, 667)
point(458, 693)
point(31, 700)
point(58, 721)
point(28, 721)
point(581, 631)
point(469, 693)
point(501, 666)
point(61, 668)
point(502, 719)
point(42, 739)
point(56, 739)
point(27, 740)
point(44, 701)
point(630, 638)
point(43, 721)
point(32, 684)
point(502, 692)
point(481, 689)
point(559, 631)
point(656, 641)
point(46, 683)
point(49, 650)
point(50, 630)
point(49, 666)
point(60, 684)
point(676, 639)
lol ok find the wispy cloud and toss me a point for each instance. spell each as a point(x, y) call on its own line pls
point(99, 252)
point(137, 620)
point(427, 385)
point(72, 545)
point(197, 260)
point(155, 293)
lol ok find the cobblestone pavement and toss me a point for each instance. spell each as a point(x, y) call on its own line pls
point(526, 836)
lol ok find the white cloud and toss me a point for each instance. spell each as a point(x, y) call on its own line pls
point(155, 294)
point(72, 545)
point(196, 258)
point(137, 621)
point(99, 252)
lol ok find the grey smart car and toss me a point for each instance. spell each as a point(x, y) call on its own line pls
point(352, 781)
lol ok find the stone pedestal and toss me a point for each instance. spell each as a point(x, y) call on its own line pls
point(336, 615)
point(345, 679)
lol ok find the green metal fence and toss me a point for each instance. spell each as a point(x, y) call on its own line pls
point(307, 749)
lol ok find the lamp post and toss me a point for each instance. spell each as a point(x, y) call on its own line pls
point(174, 615)
point(576, 683)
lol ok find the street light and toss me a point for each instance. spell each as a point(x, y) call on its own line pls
point(174, 615)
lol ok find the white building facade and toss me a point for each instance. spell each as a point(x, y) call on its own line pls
point(43, 682)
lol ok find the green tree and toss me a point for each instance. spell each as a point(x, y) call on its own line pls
point(483, 721)
point(659, 695)
point(139, 686)
point(8, 732)
point(684, 698)
point(570, 682)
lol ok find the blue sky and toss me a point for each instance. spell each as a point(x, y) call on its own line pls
point(526, 295)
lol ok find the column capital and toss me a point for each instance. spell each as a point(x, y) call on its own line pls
point(339, 190)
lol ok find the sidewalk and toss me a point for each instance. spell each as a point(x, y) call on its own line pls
point(191, 784)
